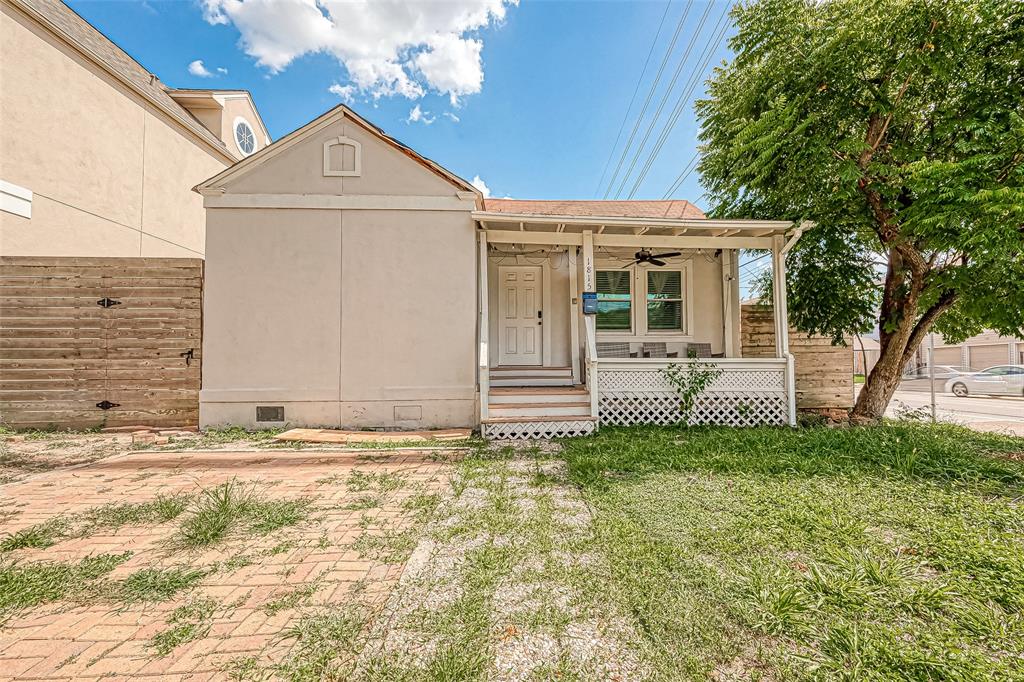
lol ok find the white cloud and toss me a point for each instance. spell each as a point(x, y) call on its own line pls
point(481, 185)
point(196, 68)
point(222, 71)
point(417, 115)
point(347, 93)
point(388, 47)
point(450, 115)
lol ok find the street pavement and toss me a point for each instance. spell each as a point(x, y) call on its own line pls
point(982, 413)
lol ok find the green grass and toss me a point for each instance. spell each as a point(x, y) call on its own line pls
point(116, 515)
point(888, 552)
point(39, 536)
point(232, 507)
point(291, 599)
point(26, 585)
point(187, 623)
point(155, 584)
point(106, 517)
point(325, 645)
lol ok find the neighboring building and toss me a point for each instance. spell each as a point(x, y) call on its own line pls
point(97, 156)
point(352, 282)
point(978, 352)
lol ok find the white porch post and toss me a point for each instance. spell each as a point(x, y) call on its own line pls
point(574, 315)
point(782, 322)
point(589, 321)
point(731, 302)
point(484, 350)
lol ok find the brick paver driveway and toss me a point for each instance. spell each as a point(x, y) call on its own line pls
point(96, 584)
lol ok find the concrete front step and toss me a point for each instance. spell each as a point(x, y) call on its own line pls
point(516, 380)
point(540, 410)
point(538, 394)
point(530, 371)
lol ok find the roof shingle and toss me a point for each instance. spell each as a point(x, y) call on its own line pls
point(674, 209)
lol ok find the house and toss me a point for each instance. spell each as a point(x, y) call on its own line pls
point(976, 353)
point(352, 282)
point(97, 156)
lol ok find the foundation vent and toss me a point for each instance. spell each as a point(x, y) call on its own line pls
point(270, 413)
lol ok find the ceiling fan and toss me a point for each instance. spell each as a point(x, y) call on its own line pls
point(645, 256)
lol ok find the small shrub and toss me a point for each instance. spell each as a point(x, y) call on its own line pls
point(230, 506)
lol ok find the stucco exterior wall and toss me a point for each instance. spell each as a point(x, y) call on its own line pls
point(111, 176)
point(344, 317)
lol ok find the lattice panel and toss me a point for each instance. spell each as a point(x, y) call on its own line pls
point(735, 398)
point(527, 430)
point(654, 380)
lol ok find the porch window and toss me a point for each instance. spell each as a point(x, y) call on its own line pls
point(664, 300)
point(614, 300)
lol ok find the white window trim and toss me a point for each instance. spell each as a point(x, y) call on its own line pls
point(234, 133)
point(357, 166)
point(638, 293)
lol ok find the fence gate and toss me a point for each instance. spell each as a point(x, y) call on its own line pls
point(93, 342)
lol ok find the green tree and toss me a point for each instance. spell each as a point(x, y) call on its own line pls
point(895, 125)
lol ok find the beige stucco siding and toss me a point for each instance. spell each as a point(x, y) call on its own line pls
point(120, 170)
point(299, 170)
point(340, 316)
point(272, 307)
point(351, 317)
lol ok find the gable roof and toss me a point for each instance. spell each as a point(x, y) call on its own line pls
point(672, 209)
point(320, 122)
point(86, 39)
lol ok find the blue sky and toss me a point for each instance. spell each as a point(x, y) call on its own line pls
point(557, 78)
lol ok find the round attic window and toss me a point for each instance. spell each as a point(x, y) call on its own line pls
point(245, 138)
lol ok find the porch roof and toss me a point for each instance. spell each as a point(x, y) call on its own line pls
point(678, 218)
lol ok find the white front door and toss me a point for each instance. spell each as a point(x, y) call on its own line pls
point(519, 315)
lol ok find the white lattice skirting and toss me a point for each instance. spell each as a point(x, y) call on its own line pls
point(738, 397)
point(527, 430)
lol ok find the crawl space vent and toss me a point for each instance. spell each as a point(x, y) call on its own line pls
point(270, 413)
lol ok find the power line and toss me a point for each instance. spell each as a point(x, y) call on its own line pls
point(650, 94)
point(683, 174)
point(664, 97)
point(684, 97)
point(632, 99)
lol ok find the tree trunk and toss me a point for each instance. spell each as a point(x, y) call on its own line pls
point(880, 384)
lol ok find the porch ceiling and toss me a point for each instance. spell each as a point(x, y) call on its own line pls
point(626, 226)
point(616, 231)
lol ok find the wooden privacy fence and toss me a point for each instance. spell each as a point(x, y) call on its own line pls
point(824, 373)
point(95, 342)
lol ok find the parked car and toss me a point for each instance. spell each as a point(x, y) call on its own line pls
point(917, 379)
point(998, 380)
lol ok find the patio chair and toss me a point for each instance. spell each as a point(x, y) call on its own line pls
point(657, 349)
point(614, 350)
point(698, 350)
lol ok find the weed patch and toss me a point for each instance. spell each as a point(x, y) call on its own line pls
point(155, 584)
point(326, 643)
point(187, 623)
point(27, 585)
point(39, 536)
point(232, 507)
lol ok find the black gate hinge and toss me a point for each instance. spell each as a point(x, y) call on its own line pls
point(189, 355)
point(107, 302)
point(106, 405)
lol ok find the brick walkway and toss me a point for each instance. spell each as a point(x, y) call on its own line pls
point(92, 640)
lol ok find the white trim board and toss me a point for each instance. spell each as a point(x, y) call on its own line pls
point(15, 199)
point(382, 202)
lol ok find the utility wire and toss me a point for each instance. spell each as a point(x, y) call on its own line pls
point(664, 98)
point(650, 95)
point(684, 97)
point(683, 174)
point(632, 99)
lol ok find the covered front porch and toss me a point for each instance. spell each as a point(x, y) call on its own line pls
point(667, 293)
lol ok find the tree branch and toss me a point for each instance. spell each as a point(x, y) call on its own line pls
point(945, 302)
